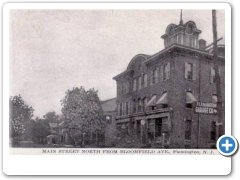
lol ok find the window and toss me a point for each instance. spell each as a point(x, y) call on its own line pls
point(212, 76)
point(139, 105)
point(213, 131)
point(163, 100)
point(127, 106)
point(121, 109)
point(145, 80)
point(134, 106)
point(154, 76)
point(144, 102)
point(134, 84)
point(119, 88)
point(190, 71)
point(188, 129)
point(166, 71)
point(109, 119)
point(139, 82)
point(152, 102)
point(126, 88)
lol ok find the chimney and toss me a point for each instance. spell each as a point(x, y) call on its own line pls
point(202, 44)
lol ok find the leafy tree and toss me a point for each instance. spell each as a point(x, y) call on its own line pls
point(29, 129)
point(40, 131)
point(51, 117)
point(82, 112)
point(20, 113)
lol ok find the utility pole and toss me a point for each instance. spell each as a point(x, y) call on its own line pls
point(219, 120)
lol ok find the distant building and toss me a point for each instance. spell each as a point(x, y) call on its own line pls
point(58, 134)
point(109, 111)
point(157, 93)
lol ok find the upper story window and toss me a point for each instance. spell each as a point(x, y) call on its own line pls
point(145, 80)
point(190, 71)
point(166, 71)
point(154, 76)
point(121, 109)
point(119, 88)
point(139, 82)
point(134, 84)
point(127, 108)
point(212, 75)
point(126, 87)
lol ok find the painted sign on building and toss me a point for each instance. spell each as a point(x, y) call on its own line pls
point(205, 108)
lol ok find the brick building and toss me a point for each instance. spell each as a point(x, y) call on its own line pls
point(157, 93)
point(109, 112)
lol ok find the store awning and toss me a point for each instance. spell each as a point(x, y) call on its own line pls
point(163, 99)
point(190, 98)
point(214, 99)
point(151, 102)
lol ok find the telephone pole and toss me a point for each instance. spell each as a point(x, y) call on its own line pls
point(219, 120)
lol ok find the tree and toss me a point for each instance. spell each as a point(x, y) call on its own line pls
point(82, 112)
point(20, 113)
point(41, 130)
point(51, 117)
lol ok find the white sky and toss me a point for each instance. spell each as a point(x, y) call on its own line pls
point(55, 50)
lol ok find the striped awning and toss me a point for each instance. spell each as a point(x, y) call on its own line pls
point(152, 101)
point(214, 99)
point(190, 98)
point(163, 99)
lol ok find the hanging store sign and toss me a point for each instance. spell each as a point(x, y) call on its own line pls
point(205, 108)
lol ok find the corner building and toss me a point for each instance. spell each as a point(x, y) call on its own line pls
point(156, 93)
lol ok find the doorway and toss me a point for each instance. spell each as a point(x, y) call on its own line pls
point(158, 127)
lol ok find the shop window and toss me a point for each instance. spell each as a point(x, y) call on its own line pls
point(139, 105)
point(188, 124)
point(213, 131)
point(134, 106)
point(127, 107)
point(144, 103)
point(121, 109)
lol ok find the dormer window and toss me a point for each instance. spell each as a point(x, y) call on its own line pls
point(190, 29)
point(171, 31)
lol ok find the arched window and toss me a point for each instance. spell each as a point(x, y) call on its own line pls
point(190, 28)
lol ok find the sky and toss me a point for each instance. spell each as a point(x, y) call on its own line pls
point(52, 51)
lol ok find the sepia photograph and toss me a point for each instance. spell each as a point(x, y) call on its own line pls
point(116, 78)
